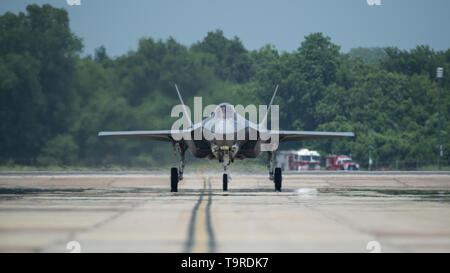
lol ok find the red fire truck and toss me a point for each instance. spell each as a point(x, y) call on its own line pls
point(341, 162)
point(301, 160)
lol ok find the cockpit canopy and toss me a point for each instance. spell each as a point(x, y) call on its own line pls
point(224, 111)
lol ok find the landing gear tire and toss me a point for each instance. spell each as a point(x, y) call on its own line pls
point(225, 182)
point(277, 179)
point(174, 180)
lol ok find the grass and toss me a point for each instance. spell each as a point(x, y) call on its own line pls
point(433, 168)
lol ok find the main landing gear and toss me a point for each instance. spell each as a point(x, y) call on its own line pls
point(177, 174)
point(174, 180)
point(274, 173)
point(277, 179)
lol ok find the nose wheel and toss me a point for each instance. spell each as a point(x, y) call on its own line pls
point(225, 178)
point(225, 182)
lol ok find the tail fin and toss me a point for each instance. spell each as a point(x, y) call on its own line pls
point(184, 106)
point(270, 105)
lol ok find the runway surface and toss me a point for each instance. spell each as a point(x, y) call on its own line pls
point(137, 213)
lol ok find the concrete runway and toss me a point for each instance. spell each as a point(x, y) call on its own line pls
point(137, 213)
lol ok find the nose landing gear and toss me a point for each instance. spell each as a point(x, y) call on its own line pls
point(225, 156)
point(225, 176)
point(225, 182)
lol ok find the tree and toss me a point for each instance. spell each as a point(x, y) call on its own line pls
point(233, 62)
point(37, 55)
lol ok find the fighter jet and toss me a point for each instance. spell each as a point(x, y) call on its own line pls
point(225, 136)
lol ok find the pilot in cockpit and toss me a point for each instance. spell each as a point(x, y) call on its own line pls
point(224, 111)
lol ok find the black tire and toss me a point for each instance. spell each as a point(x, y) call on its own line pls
point(277, 179)
point(225, 182)
point(174, 180)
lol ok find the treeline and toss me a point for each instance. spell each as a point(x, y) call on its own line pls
point(53, 101)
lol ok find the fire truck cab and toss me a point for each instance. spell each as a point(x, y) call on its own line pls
point(301, 160)
point(341, 162)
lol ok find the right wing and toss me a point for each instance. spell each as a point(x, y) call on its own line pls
point(161, 135)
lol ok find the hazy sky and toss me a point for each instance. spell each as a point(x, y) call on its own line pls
point(118, 24)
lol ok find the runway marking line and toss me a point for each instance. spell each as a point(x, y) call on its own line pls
point(200, 234)
point(200, 243)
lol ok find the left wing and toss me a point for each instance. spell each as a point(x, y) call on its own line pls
point(306, 135)
point(161, 135)
point(297, 135)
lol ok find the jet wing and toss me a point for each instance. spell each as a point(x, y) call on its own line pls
point(306, 135)
point(161, 135)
